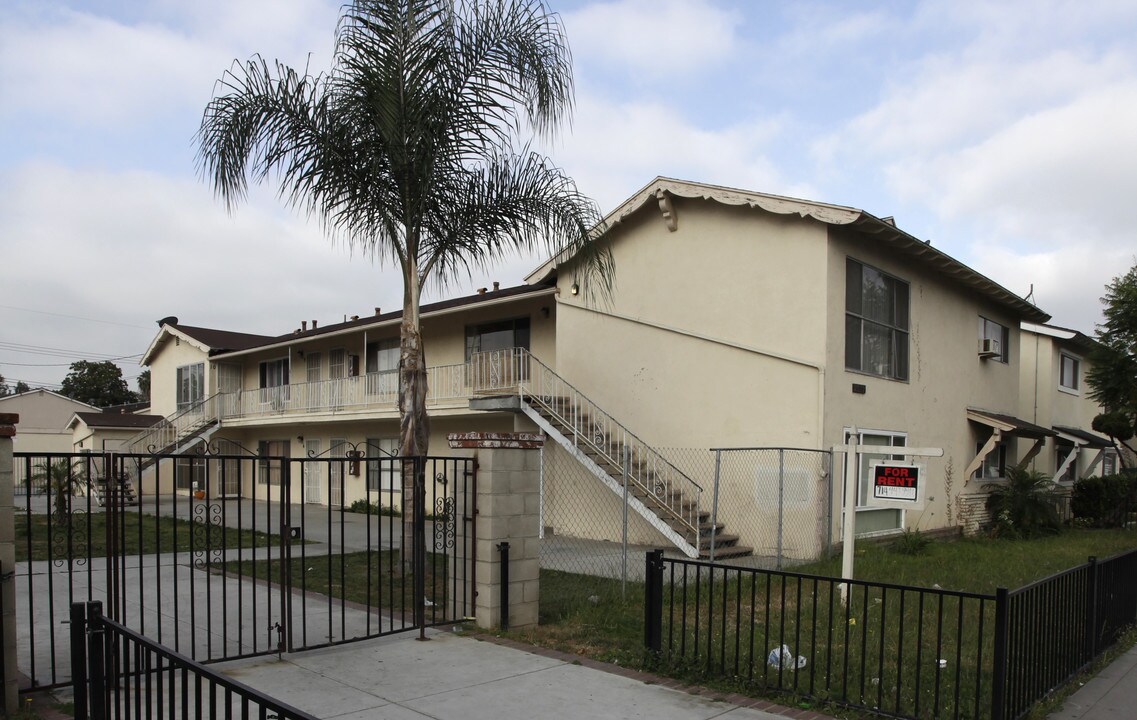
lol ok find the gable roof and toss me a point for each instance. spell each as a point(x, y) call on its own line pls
point(44, 391)
point(115, 420)
point(883, 230)
point(208, 340)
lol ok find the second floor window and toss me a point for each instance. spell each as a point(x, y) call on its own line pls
point(502, 335)
point(997, 337)
point(876, 322)
point(191, 385)
point(1068, 372)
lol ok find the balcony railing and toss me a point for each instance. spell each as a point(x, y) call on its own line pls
point(486, 373)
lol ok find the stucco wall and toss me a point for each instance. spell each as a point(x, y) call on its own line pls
point(713, 333)
point(43, 420)
point(946, 375)
point(173, 354)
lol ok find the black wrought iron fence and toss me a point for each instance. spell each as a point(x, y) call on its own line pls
point(1059, 625)
point(888, 649)
point(220, 555)
point(119, 673)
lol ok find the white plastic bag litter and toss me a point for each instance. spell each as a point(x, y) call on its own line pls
point(783, 656)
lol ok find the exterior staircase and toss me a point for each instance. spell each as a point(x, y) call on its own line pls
point(117, 490)
point(177, 432)
point(657, 490)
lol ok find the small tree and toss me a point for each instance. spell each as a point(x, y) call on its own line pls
point(4, 389)
point(1024, 506)
point(60, 479)
point(98, 383)
point(1113, 375)
point(22, 387)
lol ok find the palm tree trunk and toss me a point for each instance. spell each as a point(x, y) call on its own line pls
point(414, 427)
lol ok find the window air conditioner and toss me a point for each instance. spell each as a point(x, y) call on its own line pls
point(989, 347)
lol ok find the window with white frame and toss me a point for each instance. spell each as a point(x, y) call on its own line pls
point(876, 322)
point(384, 469)
point(1109, 463)
point(382, 366)
point(994, 465)
point(871, 520)
point(191, 385)
point(1068, 367)
point(997, 337)
point(1062, 452)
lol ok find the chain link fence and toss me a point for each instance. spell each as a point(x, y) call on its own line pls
point(778, 502)
point(774, 501)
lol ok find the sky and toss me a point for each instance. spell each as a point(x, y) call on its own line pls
point(1005, 133)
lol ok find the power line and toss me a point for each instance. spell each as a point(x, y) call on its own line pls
point(74, 317)
point(110, 359)
point(59, 352)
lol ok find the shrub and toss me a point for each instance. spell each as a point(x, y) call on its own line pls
point(1104, 501)
point(1024, 506)
point(363, 507)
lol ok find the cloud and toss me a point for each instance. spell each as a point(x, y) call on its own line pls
point(653, 38)
point(135, 246)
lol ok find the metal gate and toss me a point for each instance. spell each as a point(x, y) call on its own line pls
point(222, 576)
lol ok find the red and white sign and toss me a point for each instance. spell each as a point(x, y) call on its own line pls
point(896, 484)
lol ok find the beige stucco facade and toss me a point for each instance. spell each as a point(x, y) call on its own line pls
point(727, 327)
point(43, 420)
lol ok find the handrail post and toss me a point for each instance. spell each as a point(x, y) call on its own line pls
point(96, 656)
point(653, 601)
point(999, 659)
point(79, 658)
point(714, 506)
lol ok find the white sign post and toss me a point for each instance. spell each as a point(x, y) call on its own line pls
point(853, 451)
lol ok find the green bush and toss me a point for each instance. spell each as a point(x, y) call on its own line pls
point(1104, 501)
point(363, 507)
point(1024, 506)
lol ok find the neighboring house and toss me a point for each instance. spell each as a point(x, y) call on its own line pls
point(107, 431)
point(43, 420)
point(738, 319)
point(1054, 394)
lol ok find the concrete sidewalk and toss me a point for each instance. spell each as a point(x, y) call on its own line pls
point(1109, 695)
point(452, 677)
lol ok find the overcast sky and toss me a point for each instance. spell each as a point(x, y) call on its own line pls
point(1006, 133)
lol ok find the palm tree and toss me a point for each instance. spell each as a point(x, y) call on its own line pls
point(1025, 505)
point(409, 149)
point(59, 478)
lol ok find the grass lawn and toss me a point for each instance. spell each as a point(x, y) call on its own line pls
point(85, 535)
point(372, 579)
point(726, 642)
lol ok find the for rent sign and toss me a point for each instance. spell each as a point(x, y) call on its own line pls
point(896, 484)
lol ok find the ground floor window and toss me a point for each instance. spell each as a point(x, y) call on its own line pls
point(872, 520)
point(1060, 455)
point(384, 472)
point(994, 466)
point(1109, 463)
point(270, 466)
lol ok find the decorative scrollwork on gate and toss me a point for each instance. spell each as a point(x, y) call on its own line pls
point(444, 524)
point(69, 537)
point(208, 534)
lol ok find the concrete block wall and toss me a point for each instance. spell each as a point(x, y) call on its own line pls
point(10, 689)
point(509, 510)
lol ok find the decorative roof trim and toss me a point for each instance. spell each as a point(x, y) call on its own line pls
point(159, 339)
point(835, 215)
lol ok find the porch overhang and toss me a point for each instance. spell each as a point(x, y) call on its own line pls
point(1081, 439)
point(1003, 426)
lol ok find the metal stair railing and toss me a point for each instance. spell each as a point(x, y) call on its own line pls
point(596, 432)
point(175, 428)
